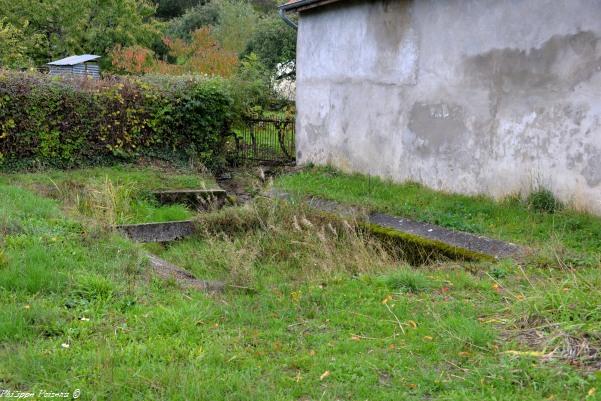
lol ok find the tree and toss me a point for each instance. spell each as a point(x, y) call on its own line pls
point(133, 59)
point(202, 15)
point(83, 26)
point(265, 6)
point(168, 9)
point(200, 55)
point(16, 45)
point(237, 22)
point(273, 42)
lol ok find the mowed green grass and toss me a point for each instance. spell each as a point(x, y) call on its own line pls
point(115, 195)
point(510, 219)
point(330, 316)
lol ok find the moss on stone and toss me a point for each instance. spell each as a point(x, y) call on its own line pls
point(420, 250)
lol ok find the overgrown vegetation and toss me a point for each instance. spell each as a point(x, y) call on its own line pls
point(71, 122)
point(332, 315)
point(118, 195)
point(565, 234)
point(543, 201)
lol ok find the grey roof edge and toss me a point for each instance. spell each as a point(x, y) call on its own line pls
point(73, 60)
point(305, 4)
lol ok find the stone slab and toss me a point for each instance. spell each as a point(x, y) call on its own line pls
point(158, 232)
point(184, 278)
point(490, 247)
point(458, 239)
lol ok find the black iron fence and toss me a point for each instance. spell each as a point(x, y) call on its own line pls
point(266, 140)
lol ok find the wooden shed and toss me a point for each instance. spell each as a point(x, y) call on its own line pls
point(85, 64)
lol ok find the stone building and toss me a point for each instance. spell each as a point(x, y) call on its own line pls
point(471, 96)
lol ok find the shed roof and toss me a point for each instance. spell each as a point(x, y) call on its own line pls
point(73, 60)
point(300, 5)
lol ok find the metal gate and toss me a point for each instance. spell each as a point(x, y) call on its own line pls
point(266, 140)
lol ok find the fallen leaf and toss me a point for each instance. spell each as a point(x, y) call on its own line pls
point(412, 324)
point(428, 338)
point(355, 338)
point(524, 353)
point(324, 375)
point(463, 353)
point(592, 392)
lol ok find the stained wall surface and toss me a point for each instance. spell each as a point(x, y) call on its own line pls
point(470, 96)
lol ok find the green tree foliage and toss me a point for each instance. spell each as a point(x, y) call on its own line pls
point(83, 26)
point(273, 42)
point(174, 8)
point(16, 45)
point(253, 89)
point(265, 6)
point(193, 19)
point(237, 22)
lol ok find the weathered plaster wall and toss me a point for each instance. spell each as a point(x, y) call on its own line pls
point(472, 96)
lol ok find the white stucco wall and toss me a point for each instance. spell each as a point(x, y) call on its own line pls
point(471, 96)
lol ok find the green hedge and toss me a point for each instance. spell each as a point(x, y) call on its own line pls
point(70, 122)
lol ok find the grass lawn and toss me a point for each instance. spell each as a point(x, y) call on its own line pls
point(510, 219)
point(331, 316)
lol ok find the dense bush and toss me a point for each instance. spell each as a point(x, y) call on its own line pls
point(70, 122)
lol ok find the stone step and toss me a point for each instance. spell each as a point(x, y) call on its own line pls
point(201, 199)
point(158, 232)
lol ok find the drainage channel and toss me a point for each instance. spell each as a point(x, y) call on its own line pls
point(449, 243)
point(199, 199)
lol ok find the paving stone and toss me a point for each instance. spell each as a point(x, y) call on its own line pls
point(158, 232)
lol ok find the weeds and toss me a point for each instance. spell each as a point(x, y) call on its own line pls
point(334, 316)
point(244, 242)
point(543, 201)
point(407, 280)
point(3, 259)
point(511, 219)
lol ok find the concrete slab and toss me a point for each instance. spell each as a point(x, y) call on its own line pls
point(476, 244)
point(158, 232)
point(184, 278)
point(201, 199)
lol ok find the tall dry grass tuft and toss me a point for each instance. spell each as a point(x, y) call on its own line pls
point(107, 203)
point(308, 244)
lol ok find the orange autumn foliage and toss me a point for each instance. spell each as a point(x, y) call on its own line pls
point(133, 59)
point(201, 55)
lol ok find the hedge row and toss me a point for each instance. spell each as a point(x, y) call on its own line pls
point(69, 122)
